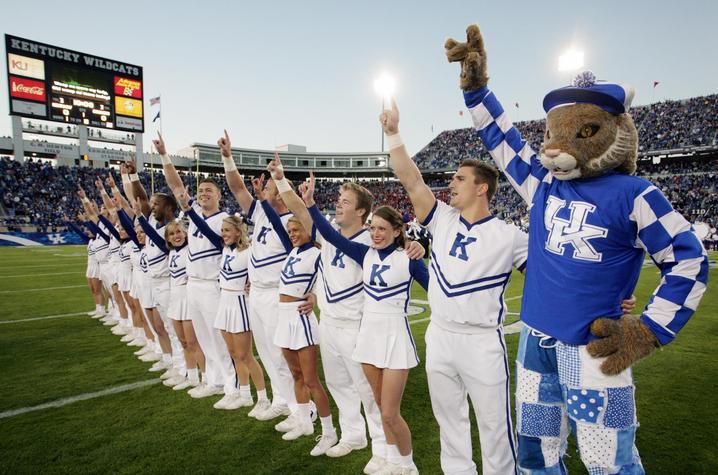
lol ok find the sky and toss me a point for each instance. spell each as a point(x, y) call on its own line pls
point(281, 72)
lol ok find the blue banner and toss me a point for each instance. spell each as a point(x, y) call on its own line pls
point(38, 239)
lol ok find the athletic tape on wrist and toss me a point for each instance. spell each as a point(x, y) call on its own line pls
point(283, 185)
point(134, 177)
point(229, 165)
point(279, 168)
point(394, 141)
point(166, 160)
point(126, 180)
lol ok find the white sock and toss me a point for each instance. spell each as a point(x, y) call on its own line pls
point(167, 358)
point(193, 375)
point(392, 454)
point(303, 413)
point(99, 308)
point(204, 378)
point(245, 391)
point(327, 424)
point(262, 395)
point(406, 460)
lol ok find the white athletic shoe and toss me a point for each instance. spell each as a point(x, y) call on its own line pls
point(228, 402)
point(137, 341)
point(298, 431)
point(238, 402)
point(205, 390)
point(159, 366)
point(169, 374)
point(273, 412)
point(374, 465)
point(286, 425)
point(172, 382)
point(185, 384)
point(150, 356)
point(127, 338)
point(142, 351)
point(110, 322)
point(325, 442)
point(408, 470)
point(246, 401)
point(343, 448)
point(389, 469)
point(260, 407)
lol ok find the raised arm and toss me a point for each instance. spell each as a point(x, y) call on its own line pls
point(77, 230)
point(138, 191)
point(126, 222)
point(234, 179)
point(214, 238)
point(512, 154)
point(117, 198)
point(152, 234)
point(355, 250)
point(110, 227)
point(291, 200)
point(174, 181)
point(422, 199)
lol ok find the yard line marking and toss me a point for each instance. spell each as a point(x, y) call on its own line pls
point(37, 275)
point(48, 317)
point(80, 397)
point(43, 288)
point(64, 264)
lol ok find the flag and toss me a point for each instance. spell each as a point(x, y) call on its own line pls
point(516, 104)
point(154, 100)
point(156, 117)
point(656, 83)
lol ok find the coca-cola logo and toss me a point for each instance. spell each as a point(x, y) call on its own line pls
point(27, 89)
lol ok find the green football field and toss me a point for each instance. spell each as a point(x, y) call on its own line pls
point(75, 400)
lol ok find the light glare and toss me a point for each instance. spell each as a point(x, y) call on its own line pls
point(571, 60)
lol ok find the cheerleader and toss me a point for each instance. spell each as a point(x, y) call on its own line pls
point(297, 332)
point(385, 346)
point(232, 318)
point(176, 239)
point(92, 270)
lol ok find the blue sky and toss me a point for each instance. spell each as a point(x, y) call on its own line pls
point(302, 72)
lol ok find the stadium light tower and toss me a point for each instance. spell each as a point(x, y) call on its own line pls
point(571, 60)
point(384, 85)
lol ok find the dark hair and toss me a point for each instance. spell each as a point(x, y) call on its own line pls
point(393, 217)
point(212, 181)
point(484, 173)
point(365, 199)
point(169, 201)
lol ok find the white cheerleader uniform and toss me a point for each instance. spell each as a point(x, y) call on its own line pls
point(178, 284)
point(93, 268)
point(233, 312)
point(385, 340)
point(124, 268)
point(296, 330)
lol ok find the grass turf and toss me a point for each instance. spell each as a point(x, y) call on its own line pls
point(155, 430)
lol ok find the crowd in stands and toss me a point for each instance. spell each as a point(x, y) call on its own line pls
point(664, 125)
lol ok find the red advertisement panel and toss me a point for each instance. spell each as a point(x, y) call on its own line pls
point(128, 87)
point(27, 89)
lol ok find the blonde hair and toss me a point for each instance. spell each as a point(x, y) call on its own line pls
point(365, 200)
point(243, 239)
point(171, 226)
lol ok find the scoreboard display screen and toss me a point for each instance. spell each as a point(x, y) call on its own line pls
point(52, 83)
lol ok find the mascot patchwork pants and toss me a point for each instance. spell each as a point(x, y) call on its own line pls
point(560, 389)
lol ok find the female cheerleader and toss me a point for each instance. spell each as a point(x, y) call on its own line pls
point(297, 332)
point(176, 238)
point(232, 317)
point(385, 345)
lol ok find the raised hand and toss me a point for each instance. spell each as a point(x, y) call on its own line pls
point(131, 164)
point(258, 187)
point(225, 145)
point(472, 56)
point(123, 168)
point(136, 207)
point(389, 119)
point(81, 193)
point(307, 190)
point(111, 181)
point(159, 144)
point(275, 168)
point(183, 199)
point(98, 185)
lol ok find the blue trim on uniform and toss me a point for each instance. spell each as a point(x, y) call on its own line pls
point(378, 298)
point(509, 427)
point(476, 223)
point(522, 267)
point(306, 332)
point(430, 216)
point(411, 338)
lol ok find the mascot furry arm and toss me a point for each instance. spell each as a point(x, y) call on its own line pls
point(579, 262)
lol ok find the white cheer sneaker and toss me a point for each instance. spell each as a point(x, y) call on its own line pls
point(325, 442)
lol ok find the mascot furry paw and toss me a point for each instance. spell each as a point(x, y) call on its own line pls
point(591, 223)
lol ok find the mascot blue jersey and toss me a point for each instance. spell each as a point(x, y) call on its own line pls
point(587, 239)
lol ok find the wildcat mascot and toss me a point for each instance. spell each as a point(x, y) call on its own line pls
point(591, 222)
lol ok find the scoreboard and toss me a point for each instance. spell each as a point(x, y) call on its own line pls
point(52, 83)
